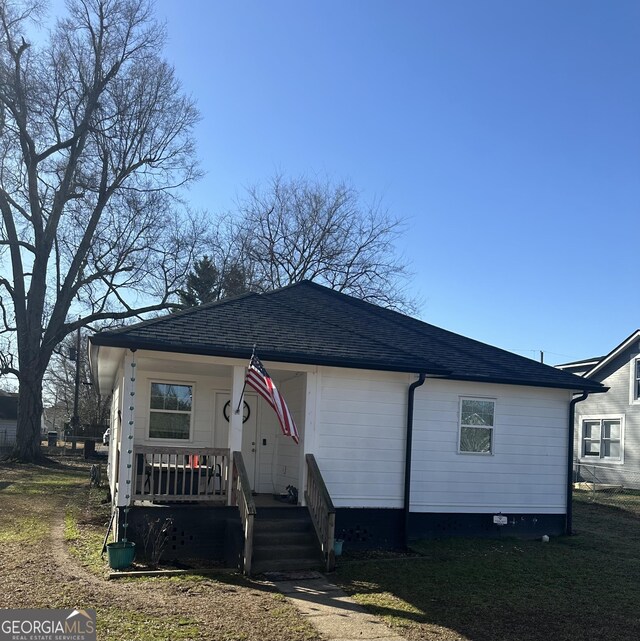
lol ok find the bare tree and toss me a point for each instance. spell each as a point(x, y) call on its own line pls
point(59, 389)
point(297, 229)
point(96, 136)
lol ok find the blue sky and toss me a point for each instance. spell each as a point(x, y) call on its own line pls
point(506, 133)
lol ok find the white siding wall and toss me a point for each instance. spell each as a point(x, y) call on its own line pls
point(361, 441)
point(203, 410)
point(361, 436)
point(527, 470)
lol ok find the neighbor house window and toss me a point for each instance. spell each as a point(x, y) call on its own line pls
point(636, 380)
point(170, 411)
point(602, 438)
point(476, 425)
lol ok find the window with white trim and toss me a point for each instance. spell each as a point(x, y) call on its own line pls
point(170, 408)
point(635, 379)
point(602, 438)
point(476, 425)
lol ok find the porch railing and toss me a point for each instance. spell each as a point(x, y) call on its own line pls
point(320, 506)
point(175, 474)
point(242, 496)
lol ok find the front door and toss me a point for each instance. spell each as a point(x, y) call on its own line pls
point(249, 430)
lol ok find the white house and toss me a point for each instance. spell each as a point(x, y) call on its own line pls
point(406, 430)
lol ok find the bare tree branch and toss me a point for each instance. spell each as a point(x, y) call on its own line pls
point(96, 135)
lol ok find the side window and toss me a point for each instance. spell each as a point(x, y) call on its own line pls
point(476, 425)
point(170, 411)
point(602, 438)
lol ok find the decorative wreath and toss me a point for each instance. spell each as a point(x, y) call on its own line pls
point(246, 411)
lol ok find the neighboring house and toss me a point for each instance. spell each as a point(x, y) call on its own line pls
point(406, 430)
point(8, 419)
point(607, 426)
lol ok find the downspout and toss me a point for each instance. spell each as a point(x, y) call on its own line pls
point(408, 456)
point(572, 414)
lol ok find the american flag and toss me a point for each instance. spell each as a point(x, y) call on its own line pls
point(259, 379)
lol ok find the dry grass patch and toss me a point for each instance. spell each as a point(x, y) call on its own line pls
point(52, 530)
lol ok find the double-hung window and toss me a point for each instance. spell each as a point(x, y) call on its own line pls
point(635, 380)
point(602, 438)
point(170, 411)
point(477, 417)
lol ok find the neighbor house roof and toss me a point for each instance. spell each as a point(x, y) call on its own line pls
point(311, 324)
point(596, 364)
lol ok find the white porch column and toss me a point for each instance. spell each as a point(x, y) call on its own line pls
point(127, 430)
point(235, 420)
point(309, 435)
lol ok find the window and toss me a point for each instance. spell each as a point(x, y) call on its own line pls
point(602, 438)
point(170, 411)
point(476, 425)
point(636, 379)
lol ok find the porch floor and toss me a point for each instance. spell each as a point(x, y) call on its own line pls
point(261, 500)
point(268, 500)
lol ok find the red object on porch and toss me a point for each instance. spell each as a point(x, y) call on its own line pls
point(194, 460)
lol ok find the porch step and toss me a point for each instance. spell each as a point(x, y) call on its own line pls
point(284, 539)
point(285, 565)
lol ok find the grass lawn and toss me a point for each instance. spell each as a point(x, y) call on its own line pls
point(51, 533)
point(573, 588)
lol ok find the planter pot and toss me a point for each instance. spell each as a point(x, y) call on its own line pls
point(337, 547)
point(120, 554)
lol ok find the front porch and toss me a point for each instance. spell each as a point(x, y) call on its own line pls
point(216, 516)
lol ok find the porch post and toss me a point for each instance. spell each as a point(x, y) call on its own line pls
point(127, 430)
point(235, 420)
point(309, 434)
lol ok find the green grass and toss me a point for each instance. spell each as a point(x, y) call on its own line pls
point(115, 623)
point(581, 587)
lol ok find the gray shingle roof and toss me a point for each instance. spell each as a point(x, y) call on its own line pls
point(309, 323)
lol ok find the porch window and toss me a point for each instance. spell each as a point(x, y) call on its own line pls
point(602, 438)
point(476, 425)
point(170, 411)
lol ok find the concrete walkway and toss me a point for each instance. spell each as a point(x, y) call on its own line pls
point(336, 616)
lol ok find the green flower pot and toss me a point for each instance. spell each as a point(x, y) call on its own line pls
point(120, 555)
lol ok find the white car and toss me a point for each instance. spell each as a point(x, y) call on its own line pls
point(105, 437)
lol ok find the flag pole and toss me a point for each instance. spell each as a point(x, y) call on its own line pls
point(253, 353)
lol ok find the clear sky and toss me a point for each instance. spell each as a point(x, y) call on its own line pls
point(506, 132)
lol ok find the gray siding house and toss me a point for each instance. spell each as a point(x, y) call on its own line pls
point(8, 419)
point(607, 426)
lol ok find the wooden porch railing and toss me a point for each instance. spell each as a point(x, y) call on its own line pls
point(175, 474)
point(320, 506)
point(242, 497)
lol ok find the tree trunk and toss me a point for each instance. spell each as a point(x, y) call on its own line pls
point(29, 417)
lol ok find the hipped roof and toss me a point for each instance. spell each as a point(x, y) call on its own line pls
point(311, 324)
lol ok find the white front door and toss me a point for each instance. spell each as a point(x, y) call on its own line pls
point(249, 430)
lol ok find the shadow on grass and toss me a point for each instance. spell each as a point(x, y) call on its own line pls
point(581, 587)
